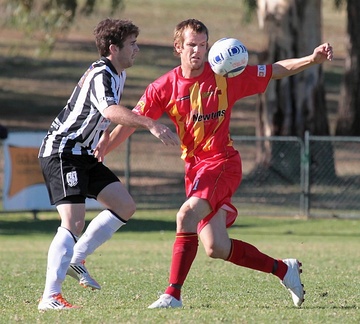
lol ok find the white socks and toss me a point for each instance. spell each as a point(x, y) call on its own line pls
point(63, 249)
point(100, 229)
point(58, 261)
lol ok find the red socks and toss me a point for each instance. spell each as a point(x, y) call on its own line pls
point(242, 254)
point(247, 255)
point(184, 252)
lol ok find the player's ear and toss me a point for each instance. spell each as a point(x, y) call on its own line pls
point(177, 47)
point(113, 48)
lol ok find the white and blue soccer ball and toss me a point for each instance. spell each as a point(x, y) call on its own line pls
point(228, 57)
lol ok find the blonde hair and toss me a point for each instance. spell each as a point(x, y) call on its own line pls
point(194, 24)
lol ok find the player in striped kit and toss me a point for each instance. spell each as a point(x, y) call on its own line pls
point(70, 167)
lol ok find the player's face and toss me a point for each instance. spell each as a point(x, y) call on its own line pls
point(124, 58)
point(192, 53)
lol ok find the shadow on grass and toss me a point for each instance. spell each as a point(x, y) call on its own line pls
point(31, 227)
point(258, 227)
point(35, 226)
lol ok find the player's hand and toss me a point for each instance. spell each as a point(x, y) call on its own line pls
point(164, 134)
point(322, 53)
point(100, 149)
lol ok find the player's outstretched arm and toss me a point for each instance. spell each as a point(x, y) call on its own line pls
point(293, 66)
point(109, 141)
point(164, 134)
point(117, 136)
point(121, 115)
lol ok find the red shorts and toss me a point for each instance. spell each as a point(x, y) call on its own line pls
point(214, 178)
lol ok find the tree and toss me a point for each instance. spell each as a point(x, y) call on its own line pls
point(48, 19)
point(348, 120)
point(296, 104)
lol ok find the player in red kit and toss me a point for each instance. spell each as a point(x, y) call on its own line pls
point(199, 102)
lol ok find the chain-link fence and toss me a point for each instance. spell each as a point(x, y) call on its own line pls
point(317, 177)
point(332, 186)
point(272, 176)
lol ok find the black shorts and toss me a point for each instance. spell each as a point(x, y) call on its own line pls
point(71, 175)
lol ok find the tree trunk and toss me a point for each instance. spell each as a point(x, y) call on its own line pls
point(348, 121)
point(295, 104)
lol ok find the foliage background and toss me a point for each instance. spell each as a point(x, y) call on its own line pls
point(33, 89)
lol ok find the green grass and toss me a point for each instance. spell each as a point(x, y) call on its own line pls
point(133, 268)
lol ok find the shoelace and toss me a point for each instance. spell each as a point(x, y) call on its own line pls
point(62, 300)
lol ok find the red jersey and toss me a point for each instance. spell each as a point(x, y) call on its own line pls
point(200, 107)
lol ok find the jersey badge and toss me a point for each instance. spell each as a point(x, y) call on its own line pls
point(140, 106)
point(261, 71)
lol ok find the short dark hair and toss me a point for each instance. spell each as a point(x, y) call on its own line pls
point(194, 24)
point(113, 31)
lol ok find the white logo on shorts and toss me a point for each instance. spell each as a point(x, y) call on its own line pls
point(71, 178)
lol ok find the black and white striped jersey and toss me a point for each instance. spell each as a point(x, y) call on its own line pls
point(79, 126)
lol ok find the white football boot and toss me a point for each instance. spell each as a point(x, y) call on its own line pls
point(292, 281)
point(166, 301)
point(56, 302)
point(79, 272)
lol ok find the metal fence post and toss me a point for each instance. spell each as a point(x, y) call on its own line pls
point(127, 164)
point(303, 163)
point(306, 180)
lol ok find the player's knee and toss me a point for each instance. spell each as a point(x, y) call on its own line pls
point(181, 217)
point(128, 209)
point(215, 252)
point(124, 209)
point(209, 251)
point(186, 221)
point(78, 227)
point(131, 209)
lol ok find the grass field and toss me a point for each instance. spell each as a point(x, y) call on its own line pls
point(133, 269)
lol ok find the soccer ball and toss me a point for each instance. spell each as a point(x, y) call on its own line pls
point(228, 57)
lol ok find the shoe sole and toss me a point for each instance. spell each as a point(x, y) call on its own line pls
point(89, 286)
point(57, 309)
point(73, 274)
